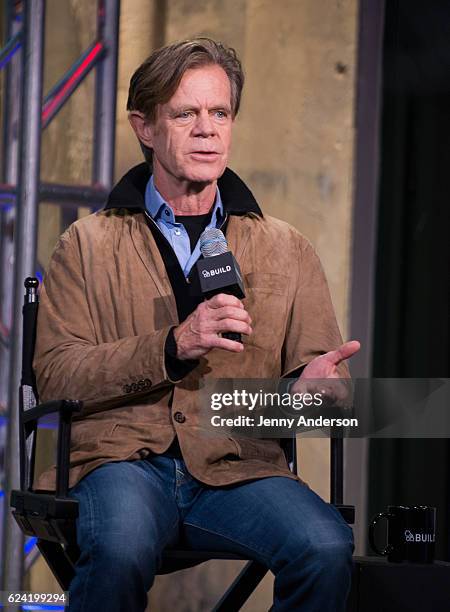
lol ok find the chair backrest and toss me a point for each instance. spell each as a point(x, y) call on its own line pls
point(30, 411)
point(28, 396)
point(30, 310)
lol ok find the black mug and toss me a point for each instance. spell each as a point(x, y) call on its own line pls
point(411, 534)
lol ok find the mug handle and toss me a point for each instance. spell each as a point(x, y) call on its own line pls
point(389, 548)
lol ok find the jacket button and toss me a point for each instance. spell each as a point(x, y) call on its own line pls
point(179, 417)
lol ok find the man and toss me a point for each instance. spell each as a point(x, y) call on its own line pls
point(119, 330)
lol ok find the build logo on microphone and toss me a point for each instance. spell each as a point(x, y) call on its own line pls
point(216, 271)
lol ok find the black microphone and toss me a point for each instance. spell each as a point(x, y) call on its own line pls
point(217, 272)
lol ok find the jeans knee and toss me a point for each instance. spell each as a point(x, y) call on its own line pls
point(125, 557)
point(331, 553)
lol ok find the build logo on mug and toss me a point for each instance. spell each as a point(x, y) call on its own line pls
point(411, 534)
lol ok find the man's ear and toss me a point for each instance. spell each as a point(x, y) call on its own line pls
point(142, 128)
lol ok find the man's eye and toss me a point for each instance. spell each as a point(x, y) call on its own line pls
point(221, 114)
point(184, 115)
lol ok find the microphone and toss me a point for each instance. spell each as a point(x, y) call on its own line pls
point(218, 272)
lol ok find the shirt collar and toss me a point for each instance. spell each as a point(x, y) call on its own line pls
point(159, 210)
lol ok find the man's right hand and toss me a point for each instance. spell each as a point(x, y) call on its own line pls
point(199, 333)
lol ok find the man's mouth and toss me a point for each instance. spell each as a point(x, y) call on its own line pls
point(205, 155)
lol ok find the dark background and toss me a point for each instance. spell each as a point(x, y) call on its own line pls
point(411, 328)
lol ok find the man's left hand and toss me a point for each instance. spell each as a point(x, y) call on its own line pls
point(323, 367)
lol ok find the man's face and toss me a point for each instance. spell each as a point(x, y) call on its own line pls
point(191, 135)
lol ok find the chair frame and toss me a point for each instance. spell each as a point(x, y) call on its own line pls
point(51, 518)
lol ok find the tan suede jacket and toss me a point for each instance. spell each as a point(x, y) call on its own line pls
point(106, 307)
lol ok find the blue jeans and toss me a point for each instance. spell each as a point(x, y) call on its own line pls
point(130, 511)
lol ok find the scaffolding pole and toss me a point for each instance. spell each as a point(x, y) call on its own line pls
point(105, 94)
point(25, 236)
point(10, 136)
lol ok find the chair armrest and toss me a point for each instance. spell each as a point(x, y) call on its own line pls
point(61, 406)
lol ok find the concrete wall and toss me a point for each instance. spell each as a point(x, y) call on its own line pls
point(293, 144)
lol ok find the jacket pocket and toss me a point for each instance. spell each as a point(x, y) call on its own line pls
point(262, 449)
point(142, 433)
point(267, 282)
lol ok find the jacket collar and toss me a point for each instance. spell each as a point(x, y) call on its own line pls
point(129, 192)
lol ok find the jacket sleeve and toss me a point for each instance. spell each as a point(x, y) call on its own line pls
point(312, 328)
point(70, 363)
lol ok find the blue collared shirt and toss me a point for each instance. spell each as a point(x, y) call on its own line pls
point(174, 232)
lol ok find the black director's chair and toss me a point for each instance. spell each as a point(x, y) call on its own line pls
point(51, 518)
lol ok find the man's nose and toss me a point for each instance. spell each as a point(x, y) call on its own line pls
point(204, 125)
